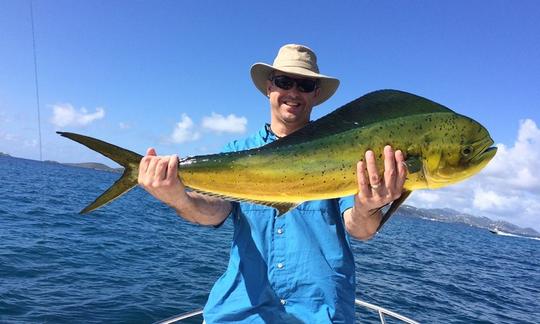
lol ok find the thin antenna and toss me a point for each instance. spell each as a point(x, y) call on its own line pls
point(36, 77)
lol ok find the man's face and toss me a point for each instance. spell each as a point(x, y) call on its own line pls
point(290, 107)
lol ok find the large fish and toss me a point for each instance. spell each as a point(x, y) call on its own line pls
point(319, 160)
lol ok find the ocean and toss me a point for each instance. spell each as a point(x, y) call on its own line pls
point(135, 261)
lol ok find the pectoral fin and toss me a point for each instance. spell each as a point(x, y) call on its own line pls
point(393, 207)
point(414, 164)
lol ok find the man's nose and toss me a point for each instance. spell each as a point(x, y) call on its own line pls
point(294, 90)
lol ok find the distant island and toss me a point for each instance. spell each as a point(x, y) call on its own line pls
point(95, 166)
point(86, 165)
point(448, 215)
point(91, 165)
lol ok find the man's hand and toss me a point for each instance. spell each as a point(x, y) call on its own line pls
point(374, 193)
point(159, 176)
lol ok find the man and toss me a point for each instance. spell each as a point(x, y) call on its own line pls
point(297, 267)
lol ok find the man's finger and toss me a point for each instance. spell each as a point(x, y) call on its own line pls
point(151, 151)
point(389, 167)
point(143, 165)
point(363, 183)
point(373, 173)
point(151, 170)
point(172, 167)
point(145, 161)
point(401, 169)
point(161, 168)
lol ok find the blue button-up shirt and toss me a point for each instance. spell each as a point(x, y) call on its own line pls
point(297, 267)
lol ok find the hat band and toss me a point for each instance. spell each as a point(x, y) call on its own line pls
point(297, 64)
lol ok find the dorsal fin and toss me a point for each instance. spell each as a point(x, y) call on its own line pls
point(370, 108)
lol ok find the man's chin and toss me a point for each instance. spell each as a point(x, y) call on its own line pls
point(293, 119)
point(292, 111)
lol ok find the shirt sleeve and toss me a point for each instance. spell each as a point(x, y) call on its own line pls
point(229, 147)
point(346, 203)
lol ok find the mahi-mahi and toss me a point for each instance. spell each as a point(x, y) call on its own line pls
point(319, 160)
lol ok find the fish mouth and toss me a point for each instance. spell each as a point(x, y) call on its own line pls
point(486, 154)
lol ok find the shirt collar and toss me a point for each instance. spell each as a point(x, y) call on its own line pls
point(267, 135)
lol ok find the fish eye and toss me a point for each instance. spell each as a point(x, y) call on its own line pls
point(466, 151)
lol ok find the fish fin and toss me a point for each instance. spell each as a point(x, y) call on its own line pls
point(221, 196)
point(371, 108)
point(376, 210)
point(129, 160)
point(414, 164)
point(281, 207)
point(393, 207)
point(120, 187)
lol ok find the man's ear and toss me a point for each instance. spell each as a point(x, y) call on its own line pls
point(317, 92)
point(268, 88)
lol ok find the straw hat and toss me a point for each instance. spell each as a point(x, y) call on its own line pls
point(298, 60)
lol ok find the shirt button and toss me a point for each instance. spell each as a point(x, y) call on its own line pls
point(280, 265)
point(280, 230)
point(283, 301)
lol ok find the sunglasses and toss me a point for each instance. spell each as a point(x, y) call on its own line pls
point(286, 82)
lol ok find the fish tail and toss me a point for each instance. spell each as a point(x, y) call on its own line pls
point(129, 160)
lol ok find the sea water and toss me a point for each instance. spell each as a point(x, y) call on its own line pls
point(135, 261)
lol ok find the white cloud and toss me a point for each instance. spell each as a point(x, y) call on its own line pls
point(123, 125)
point(528, 132)
point(184, 131)
point(229, 124)
point(66, 115)
point(515, 168)
point(490, 200)
point(30, 142)
point(7, 136)
point(508, 188)
point(427, 196)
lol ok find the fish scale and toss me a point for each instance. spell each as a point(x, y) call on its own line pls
point(319, 160)
point(261, 175)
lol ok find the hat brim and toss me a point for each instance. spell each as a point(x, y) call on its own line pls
point(327, 85)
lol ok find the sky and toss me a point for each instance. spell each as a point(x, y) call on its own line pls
point(174, 75)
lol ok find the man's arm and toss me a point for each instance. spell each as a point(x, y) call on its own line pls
point(364, 218)
point(159, 176)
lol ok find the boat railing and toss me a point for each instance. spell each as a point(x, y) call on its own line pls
point(383, 312)
point(183, 316)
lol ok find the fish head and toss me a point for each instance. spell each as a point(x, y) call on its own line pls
point(462, 148)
